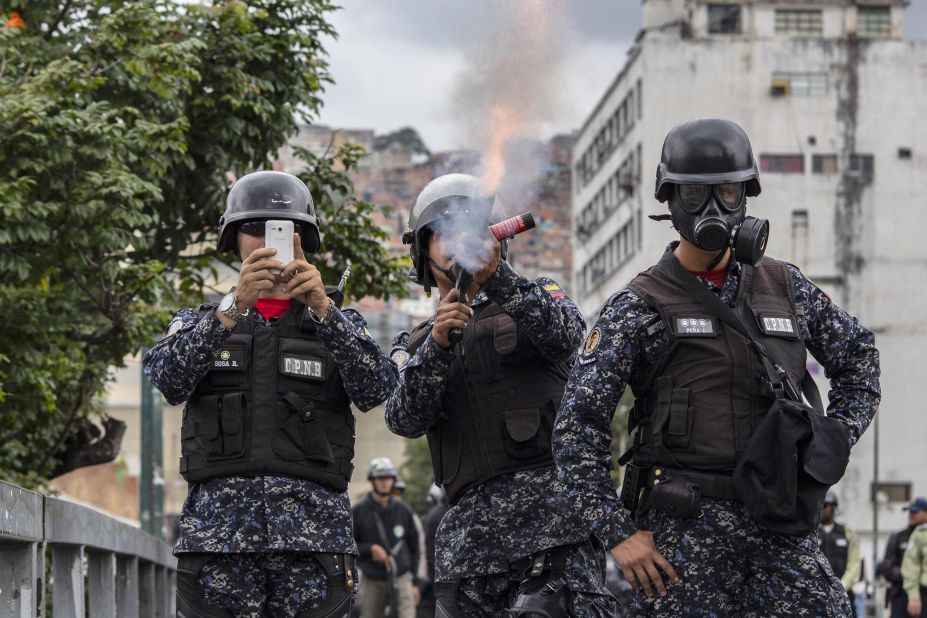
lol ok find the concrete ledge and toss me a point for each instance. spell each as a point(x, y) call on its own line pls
point(20, 514)
point(27, 516)
point(73, 524)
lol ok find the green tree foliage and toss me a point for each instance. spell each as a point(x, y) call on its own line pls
point(620, 439)
point(417, 473)
point(121, 125)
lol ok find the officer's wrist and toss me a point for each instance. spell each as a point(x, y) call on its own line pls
point(324, 313)
point(226, 321)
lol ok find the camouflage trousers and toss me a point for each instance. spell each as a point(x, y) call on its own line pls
point(584, 579)
point(729, 566)
point(272, 584)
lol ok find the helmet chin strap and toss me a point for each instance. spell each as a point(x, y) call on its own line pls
point(447, 272)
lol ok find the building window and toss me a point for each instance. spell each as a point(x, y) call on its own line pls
point(724, 18)
point(891, 491)
point(863, 164)
point(799, 84)
point(799, 255)
point(782, 164)
point(904, 153)
point(874, 21)
point(798, 21)
point(824, 164)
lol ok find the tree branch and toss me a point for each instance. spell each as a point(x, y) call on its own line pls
point(54, 25)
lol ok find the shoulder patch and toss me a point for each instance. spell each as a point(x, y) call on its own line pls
point(400, 357)
point(593, 339)
point(554, 290)
point(174, 327)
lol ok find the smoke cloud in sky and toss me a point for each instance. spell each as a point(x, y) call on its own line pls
point(509, 86)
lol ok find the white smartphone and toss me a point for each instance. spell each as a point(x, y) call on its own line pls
point(279, 235)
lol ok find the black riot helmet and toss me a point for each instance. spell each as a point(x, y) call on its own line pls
point(706, 172)
point(446, 197)
point(706, 151)
point(269, 195)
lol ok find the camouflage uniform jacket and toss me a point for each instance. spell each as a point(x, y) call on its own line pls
point(514, 515)
point(627, 338)
point(266, 513)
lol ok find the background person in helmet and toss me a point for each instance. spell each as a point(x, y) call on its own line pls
point(487, 407)
point(840, 546)
point(390, 547)
point(690, 545)
point(268, 377)
point(421, 570)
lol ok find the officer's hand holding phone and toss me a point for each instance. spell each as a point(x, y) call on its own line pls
point(451, 314)
point(639, 558)
point(256, 276)
point(304, 281)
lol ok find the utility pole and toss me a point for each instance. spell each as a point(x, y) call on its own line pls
point(875, 517)
point(151, 487)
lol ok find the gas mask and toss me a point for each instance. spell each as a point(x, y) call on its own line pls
point(713, 218)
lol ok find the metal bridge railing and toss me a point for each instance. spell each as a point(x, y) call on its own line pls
point(100, 567)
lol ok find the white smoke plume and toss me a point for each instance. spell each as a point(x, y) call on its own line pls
point(513, 82)
point(505, 99)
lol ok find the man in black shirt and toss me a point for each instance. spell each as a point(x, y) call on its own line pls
point(388, 542)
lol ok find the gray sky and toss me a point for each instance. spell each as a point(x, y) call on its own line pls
point(400, 62)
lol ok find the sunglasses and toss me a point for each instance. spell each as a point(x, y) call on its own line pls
point(254, 227)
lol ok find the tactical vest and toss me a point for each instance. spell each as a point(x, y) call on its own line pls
point(271, 403)
point(698, 405)
point(836, 548)
point(500, 399)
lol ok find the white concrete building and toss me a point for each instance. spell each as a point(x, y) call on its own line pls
point(833, 101)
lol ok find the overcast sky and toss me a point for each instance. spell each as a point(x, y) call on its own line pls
point(400, 62)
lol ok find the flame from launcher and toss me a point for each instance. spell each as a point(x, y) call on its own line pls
point(502, 126)
point(516, 78)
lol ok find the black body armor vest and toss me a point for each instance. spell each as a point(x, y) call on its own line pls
point(272, 403)
point(699, 404)
point(836, 548)
point(500, 399)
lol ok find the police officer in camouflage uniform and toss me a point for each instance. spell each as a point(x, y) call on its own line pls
point(700, 390)
point(487, 406)
point(268, 377)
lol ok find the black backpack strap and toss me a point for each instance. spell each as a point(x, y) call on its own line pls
point(778, 379)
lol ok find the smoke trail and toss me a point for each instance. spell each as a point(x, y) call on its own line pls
point(512, 83)
point(504, 98)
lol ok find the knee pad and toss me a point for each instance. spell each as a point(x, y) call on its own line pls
point(446, 600)
point(190, 600)
point(341, 585)
point(540, 599)
point(544, 593)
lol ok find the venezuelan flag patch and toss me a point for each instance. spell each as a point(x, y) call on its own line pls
point(554, 290)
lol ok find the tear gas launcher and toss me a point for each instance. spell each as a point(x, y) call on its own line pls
point(463, 279)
